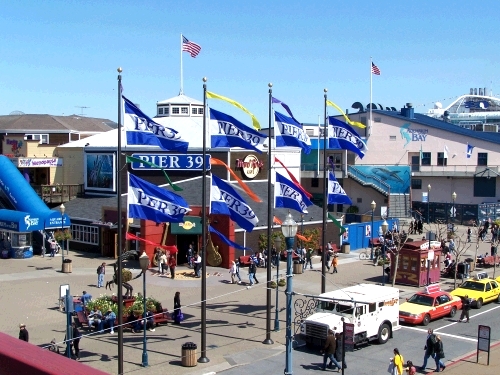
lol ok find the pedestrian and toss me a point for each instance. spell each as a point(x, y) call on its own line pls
point(158, 259)
point(178, 316)
point(53, 246)
point(252, 270)
point(466, 305)
point(232, 272)
point(339, 340)
point(237, 263)
point(410, 369)
point(190, 256)
point(95, 317)
point(335, 263)
point(23, 333)
point(439, 351)
point(109, 320)
point(274, 257)
point(163, 261)
point(197, 265)
point(429, 347)
point(309, 254)
point(172, 263)
point(397, 362)
point(101, 271)
point(76, 340)
point(85, 298)
point(329, 351)
point(329, 251)
point(469, 232)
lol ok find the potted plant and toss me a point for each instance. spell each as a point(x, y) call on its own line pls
point(273, 284)
point(281, 282)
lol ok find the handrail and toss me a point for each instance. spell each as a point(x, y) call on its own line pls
point(369, 180)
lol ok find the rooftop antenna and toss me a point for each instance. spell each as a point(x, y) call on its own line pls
point(81, 108)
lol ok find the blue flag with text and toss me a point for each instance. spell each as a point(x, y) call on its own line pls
point(150, 202)
point(288, 195)
point(289, 132)
point(226, 240)
point(343, 136)
point(336, 194)
point(224, 200)
point(142, 130)
point(226, 131)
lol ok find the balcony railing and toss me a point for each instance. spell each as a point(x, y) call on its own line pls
point(313, 167)
point(368, 180)
point(58, 193)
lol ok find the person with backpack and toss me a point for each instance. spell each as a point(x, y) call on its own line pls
point(430, 344)
point(439, 354)
point(101, 271)
point(309, 254)
point(466, 304)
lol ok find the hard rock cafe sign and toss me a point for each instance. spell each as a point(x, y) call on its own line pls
point(250, 166)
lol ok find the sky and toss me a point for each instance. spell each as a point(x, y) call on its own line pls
point(60, 57)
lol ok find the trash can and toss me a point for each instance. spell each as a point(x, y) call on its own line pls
point(189, 354)
point(297, 267)
point(67, 266)
point(346, 248)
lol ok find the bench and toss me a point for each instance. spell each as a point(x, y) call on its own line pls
point(489, 260)
point(284, 255)
point(376, 242)
point(81, 319)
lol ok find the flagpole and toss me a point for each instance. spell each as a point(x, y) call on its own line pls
point(319, 136)
point(203, 358)
point(325, 203)
point(371, 85)
point(119, 211)
point(268, 339)
point(182, 84)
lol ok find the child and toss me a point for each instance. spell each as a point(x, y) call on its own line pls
point(410, 369)
point(335, 263)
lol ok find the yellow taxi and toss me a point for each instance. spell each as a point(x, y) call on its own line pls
point(432, 303)
point(480, 291)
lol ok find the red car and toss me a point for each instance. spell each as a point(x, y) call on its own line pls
point(433, 303)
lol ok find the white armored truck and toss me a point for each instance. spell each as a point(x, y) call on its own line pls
point(373, 309)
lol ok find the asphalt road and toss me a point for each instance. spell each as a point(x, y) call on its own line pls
point(458, 339)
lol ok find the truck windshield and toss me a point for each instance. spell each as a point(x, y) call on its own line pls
point(344, 309)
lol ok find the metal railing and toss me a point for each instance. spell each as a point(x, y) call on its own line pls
point(368, 180)
point(313, 167)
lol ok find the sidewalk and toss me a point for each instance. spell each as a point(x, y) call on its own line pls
point(467, 364)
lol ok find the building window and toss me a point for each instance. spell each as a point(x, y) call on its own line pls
point(485, 187)
point(184, 110)
point(160, 111)
point(175, 110)
point(482, 158)
point(426, 158)
point(166, 111)
point(42, 138)
point(315, 182)
point(200, 111)
point(441, 159)
point(193, 111)
point(392, 138)
point(416, 183)
point(85, 234)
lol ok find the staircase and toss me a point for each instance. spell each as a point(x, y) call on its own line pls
point(399, 205)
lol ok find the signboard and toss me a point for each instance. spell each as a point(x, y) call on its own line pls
point(37, 162)
point(425, 197)
point(250, 166)
point(191, 225)
point(177, 162)
point(349, 337)
point(483, 341)
point(99, 172)
point(434, 245)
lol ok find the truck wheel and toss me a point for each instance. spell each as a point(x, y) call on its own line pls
point(453, 311)
point(479, 303)
point(426, 320)
point(383, 333)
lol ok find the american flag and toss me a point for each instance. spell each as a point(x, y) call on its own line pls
point(375, 69)
point(191, 47)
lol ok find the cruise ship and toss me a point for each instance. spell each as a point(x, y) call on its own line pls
point(475, 111)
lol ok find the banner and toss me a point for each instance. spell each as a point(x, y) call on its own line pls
point(289, 133)
point(336, 194)
point(227, 241)
point(224, 200)
point(150, 202)
point(213, 95)
point(342, 136)
point(288, 195)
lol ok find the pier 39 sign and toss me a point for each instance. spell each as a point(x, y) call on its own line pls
point(178, 162)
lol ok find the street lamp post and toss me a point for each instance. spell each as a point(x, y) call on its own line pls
point(453, 211)
point(373, 206)
point(62, 209)
point(144, 263)
point(385, 226)
point(428, 202)
point(277, 243)
point(289, 229)
point(301, 231)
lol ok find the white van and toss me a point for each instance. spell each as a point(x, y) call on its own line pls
point(374, 310)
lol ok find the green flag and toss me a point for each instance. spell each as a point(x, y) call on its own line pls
point(131, 159)
point(336, 222)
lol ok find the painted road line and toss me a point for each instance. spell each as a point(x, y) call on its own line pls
point(472, 317)
point(441, 333)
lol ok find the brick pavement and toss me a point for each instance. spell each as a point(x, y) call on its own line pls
point(235, 314)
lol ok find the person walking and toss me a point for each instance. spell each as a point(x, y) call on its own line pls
point(163, 262)
point(335, 263)
point(172, 263)
point(466, 305)
point(237, 263)
point(197, 265)
point(23, 333)
point(309, 254)
point(329, 351)
point(158, 259)
point(232, 272)
point(429, 347)
point(469, 232)
point(53, 246)
point(178, 316)
point(252, 269)
point(439, 351)
point(76, 340)
point(101, 271)
point(339, 342)
point(398, 362)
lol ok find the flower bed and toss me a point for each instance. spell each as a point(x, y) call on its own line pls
point(105, 302)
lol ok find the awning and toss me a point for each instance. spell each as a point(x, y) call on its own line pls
point(17, 221)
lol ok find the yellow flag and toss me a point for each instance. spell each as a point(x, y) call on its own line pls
point(353, 123)
point(255, 122)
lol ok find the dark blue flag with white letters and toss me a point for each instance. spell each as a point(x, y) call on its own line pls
point(288, 195)
point(289, 132)
point(336, 194)
point(343, 136)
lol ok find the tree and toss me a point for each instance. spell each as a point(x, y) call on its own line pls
point(399, 239)
point(461, 247)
